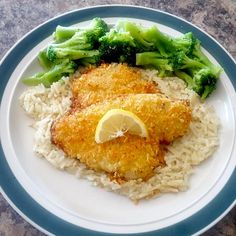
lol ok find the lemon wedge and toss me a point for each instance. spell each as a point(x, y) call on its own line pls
point(116, 122)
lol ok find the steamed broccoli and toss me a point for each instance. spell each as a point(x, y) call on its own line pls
point(181, 56)
point(73, 45)
point(130, 43)
point(136, 32)
point(198, 72)
point(44, 61)
point(96, 29)
point(73, 54)
point(197, 54)
point(160, 41)
point(93, 60)
point(202, 81)
point(66, 67)
point(64, 33)
point(152, 39)
point(166, 45)
point(86, 39)
point(71, 48)
point(117, 47)
point(181, 61)
point(154, 60)
point(184, 43)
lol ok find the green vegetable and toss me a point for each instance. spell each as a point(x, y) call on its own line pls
point(72, 46)
point(56, 73)
point(181, 61)
point(96, 29)
point(181, 56)
point(202, 81)
point(130, 43)
point(184, 43)
point(137, 33)
point(117, 47)
point(93, 60)
point(44, 61)
point(56, 53)
point(155, 60)
point(197, 54)
point(83, 39)
point(63, 33)
point(198, 72)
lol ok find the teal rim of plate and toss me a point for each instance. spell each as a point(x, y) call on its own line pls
point(50, 222)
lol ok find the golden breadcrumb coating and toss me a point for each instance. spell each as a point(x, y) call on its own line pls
point(130, 156)
point(106, 81)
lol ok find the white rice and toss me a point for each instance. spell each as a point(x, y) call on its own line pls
point(46, 104)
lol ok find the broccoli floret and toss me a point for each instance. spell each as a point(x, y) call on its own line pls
point(154, 60)
point(197, 54)
point(63, 33)
point(44, 61)
point(202, 81)
point(86, 39)
point(152, 39)
point(198, 72)
point(184, 43)
point(137, 33)
point(160, 41)
point(56, 73)
point(55, 53)
point(97, 28)
point(117, 47)
point(72, 48)
point(86, 61)
point(166, 45)
point(181, 61)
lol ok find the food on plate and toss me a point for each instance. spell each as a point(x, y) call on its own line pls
point(57, 72)
point(132, 118)
point(128, 156)
point(117, 123)
point(127, 42)
point(107, 81)
point(59, 58)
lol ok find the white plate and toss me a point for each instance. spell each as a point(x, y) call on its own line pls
point(71, 204)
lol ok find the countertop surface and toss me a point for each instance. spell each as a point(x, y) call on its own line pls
point(17, 17)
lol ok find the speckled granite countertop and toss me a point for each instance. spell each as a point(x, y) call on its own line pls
point(17, 17)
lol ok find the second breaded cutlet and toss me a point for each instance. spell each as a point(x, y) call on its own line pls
point(108, 81)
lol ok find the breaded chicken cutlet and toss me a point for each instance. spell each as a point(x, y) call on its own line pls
point(130, 156)
point(108, 81)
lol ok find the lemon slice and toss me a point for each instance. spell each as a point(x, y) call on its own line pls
point(116, 122)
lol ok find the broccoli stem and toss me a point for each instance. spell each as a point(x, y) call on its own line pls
point(63, 33)
point(185, 77)
point(153, 59)
point(161, 42)
point(189, 63)
point(181, 61)
point(197, 52)
point(51, 76)
point(77, 41)
point(135, 31)
point(202, 81)
point(43, 60)
point(73, 54)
